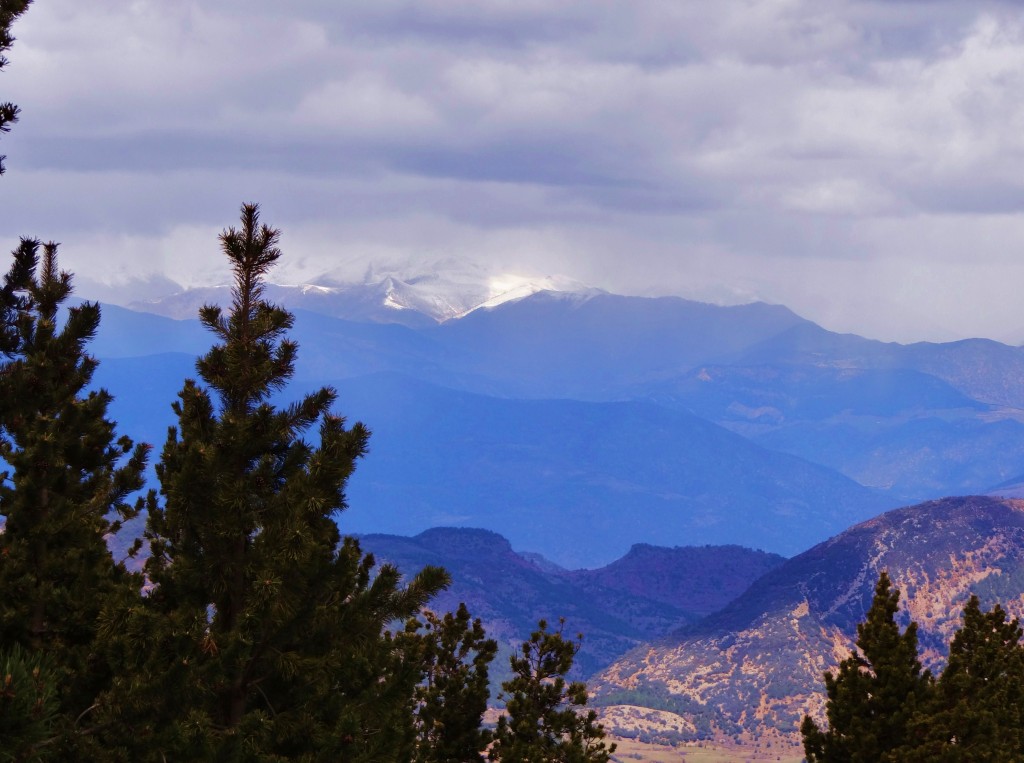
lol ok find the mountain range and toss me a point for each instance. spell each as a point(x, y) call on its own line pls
point(591, 432)
point(614, 420)
point(604, 475)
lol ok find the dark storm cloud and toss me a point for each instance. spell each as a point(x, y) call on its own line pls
point(819, 153)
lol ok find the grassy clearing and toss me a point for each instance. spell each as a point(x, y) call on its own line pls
point(637, 752)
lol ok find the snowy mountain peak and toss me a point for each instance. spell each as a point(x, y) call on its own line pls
point(443, 288)
point(444, 298)
point(408, 292)
point(507, 287)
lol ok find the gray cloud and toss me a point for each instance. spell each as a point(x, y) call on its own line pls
point(860, 161)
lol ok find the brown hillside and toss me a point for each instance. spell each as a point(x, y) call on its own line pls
point(751, 671)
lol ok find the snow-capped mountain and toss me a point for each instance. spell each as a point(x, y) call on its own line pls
point(412, 293)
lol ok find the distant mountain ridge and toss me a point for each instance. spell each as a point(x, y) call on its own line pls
point(897, 429)
point(575, 481)
point(602, 346)
point(700, 579)
point(510, 592)
point(580, 482)
point(983, 369)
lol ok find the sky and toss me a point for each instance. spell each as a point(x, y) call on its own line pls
point(859, 161)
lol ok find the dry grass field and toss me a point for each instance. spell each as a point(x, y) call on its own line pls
point(637, 752)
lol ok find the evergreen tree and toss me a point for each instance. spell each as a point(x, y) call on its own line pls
point(977, 711)
point(66, 485)
point(454, 654)
point(542, 723)
point(263, 636)
point(874, 693)
point(10, 10)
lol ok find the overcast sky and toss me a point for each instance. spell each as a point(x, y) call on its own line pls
point(861, 162)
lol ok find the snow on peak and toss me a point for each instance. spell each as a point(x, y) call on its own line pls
point(442, 289)
point(507, 288)
point(409, 290)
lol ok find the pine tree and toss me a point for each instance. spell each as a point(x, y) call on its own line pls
point(982, 687)
point(454, 654)
point(874, 693)
point(10, 10)
point(66, 486)
point(977, 710)
point(543, 722)
point(263, 637)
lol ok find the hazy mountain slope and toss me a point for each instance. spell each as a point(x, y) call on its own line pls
point(849, 404)
point(578, 482)
point(917, 458)
point(594, 347)
point(901, 430)
point(144, 389)
point(127, 333)
point(581, 482)
point(754, 668)
point(981, 369)
point(763, 396)
point(510, 592)
point(589, 346)
point(329, 348)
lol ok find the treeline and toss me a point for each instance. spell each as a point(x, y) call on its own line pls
point(884, 707)
point(252, 631)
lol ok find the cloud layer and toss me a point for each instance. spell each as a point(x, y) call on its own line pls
point(860, 161)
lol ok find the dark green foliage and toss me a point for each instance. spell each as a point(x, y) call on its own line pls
point(264, 636)
point(66, 486)
point(874, 693)
point(974, 712)
point(10, 10)
point(28, 707)
point(542, 723)
point(454, 653)
point(981, 691)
